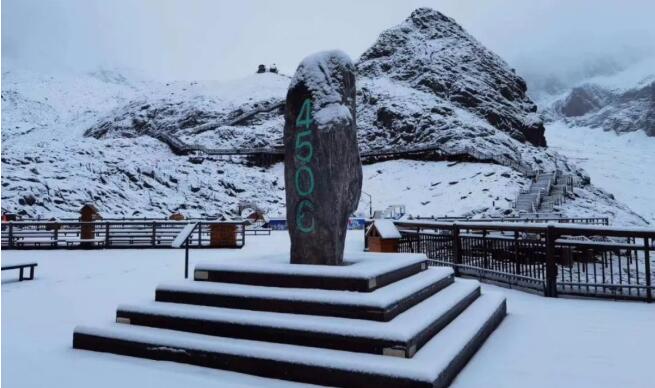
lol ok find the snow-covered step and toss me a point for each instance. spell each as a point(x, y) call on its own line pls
point(361, 271)
point(435, 365)
point(401, 337)
point(383, 304)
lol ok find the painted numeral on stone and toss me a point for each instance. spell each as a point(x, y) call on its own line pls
point(304, 118)
point(304, 144)
point(310, 181)
point(304, 177)
point(304, 206)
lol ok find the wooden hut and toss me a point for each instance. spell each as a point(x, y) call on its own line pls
point(382, 236)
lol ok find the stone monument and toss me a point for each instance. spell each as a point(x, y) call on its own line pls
point(322, 168)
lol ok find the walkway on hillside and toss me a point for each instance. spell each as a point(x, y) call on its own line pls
point(547, 190)
point(431, 151)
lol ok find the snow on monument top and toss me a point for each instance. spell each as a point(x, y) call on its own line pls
point(321, 74)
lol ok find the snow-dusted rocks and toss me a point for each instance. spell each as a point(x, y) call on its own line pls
point(453, 80)
point(591, 105)
point(620, 101)
point(322, 169)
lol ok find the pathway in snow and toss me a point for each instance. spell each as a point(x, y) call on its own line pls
point(542, 342)
point(621, 164)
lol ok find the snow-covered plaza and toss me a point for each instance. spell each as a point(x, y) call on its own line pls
point(543, 342)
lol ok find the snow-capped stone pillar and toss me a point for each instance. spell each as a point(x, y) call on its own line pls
point(322, 169)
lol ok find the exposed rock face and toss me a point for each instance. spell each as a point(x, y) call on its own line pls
point(190, 120)
point(432, 54)
point(424, 83)
point(612, 110)
point(583, 100)
point(323, 172)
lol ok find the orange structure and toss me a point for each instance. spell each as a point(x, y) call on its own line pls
point(177, 216)
point(382, 236)
point(223, 236)
point(88, 213)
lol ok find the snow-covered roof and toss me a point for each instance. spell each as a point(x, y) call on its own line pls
point(386, 229)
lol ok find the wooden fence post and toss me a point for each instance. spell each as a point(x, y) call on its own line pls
point(11, 234)
point(457, 249)
point(517, 265)
point(186, 257)
point(153, 239)
point(649, 292)
point(485, 261)
point(107, 235)
point(551, 266)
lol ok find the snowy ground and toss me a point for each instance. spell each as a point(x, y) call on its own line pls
point(542, 342)
point(621, 164)
point(441, 188)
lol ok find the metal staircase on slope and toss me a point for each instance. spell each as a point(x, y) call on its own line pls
point(548, 190)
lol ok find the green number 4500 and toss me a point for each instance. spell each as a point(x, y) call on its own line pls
point(303, 153)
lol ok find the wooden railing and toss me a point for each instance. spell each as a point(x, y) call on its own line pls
point(112, 234)
point(592, 261)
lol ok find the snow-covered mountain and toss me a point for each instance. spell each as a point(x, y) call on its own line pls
point(620, 163)
point(68, 139)
point(620, 102)
point(430, 62)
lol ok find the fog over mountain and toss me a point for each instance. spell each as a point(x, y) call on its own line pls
point(549, 42)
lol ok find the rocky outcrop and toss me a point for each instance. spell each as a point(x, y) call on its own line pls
point(584, 99)
point(424, 83)
point(594, 106)
point(444, 67)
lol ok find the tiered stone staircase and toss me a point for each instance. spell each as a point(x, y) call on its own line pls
point(546, 191)
point(382, 320)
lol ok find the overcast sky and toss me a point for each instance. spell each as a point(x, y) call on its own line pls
point(225, 39)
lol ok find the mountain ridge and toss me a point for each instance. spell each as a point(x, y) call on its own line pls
point(126, 171)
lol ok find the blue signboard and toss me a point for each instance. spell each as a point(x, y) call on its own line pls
point(278, 224)
point(356, 223)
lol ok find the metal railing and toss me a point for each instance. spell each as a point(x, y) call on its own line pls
point(592, 261)
point(525, 218)
point(179, 147)
point(114, 234)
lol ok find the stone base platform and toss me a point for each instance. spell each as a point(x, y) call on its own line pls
point(406, 325)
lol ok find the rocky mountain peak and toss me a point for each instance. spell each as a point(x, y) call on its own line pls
point(597, 106)
point(432, 53)
point(436, 25)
